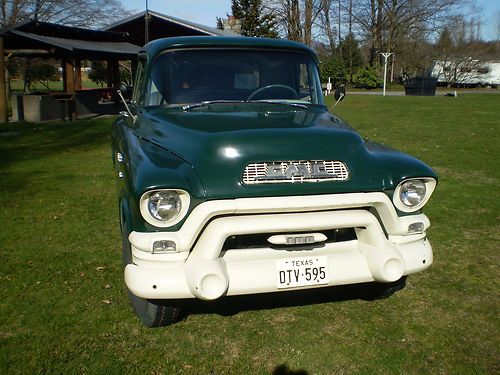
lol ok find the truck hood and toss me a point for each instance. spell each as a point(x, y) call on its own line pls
point(220, 143)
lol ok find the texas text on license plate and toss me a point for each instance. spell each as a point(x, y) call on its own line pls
point(305, 271)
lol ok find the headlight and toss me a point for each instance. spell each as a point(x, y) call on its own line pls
point(164, 205)
point(411, 195)
point(164, 208)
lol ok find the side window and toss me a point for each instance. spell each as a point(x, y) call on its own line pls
point(139, 82)
point(316, 92)
point(304, 82)
point(304, 77)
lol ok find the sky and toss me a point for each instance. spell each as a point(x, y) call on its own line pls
point(206, 11)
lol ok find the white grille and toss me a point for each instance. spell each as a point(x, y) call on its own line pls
point(295, 171)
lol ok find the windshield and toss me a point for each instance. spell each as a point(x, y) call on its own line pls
point(195, 76)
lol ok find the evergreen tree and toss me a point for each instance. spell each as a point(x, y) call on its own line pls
point(255, 21)
point(219, 23)
point(445, 42)
point(351, 55)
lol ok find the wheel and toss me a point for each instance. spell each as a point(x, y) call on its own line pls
point(376, 291)
point(270, 87)
point(152, 313)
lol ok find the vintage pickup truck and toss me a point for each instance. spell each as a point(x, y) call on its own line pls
point(234, 178)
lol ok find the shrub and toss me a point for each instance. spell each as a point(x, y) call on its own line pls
point(367, 78)
point(335, 69)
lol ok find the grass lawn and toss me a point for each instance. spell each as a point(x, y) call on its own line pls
point(63, 305)
point(17, 85)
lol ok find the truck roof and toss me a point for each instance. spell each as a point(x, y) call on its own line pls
point(159, 45)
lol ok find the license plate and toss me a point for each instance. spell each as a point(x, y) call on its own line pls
point(295, 272)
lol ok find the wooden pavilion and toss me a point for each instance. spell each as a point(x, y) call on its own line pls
point(117, 42)
point(70, 45)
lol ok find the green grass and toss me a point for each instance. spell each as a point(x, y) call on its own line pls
point(64, 310)
point(17, 85)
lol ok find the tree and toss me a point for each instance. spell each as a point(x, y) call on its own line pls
point(255, 20)
point(219, 23)
point(445, 42)
point(327, 24)
point(385, 23)
point(351, 55)
point(81, 13)
point(34, 71)
point(43, 72)
point(296, 18)
point(126, 72)
point(98, 72)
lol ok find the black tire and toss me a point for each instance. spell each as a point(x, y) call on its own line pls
point(152, 313)
point(377, 291)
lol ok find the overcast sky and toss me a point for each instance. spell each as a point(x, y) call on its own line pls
point(205, 11)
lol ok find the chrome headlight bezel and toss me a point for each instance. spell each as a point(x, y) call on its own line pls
point(144, 204)
point(429, 184)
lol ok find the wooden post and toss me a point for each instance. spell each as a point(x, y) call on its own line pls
point(109, 73)
point(63, 68)
point(78, 75)
point(116, 81)
point(69, 86)
point(4, 116)
point(70, 76)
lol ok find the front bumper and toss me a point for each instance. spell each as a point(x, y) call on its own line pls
point(382, 251)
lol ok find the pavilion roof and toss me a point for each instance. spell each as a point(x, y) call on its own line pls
point(35, 38)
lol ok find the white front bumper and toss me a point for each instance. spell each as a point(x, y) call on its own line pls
point(201, 270)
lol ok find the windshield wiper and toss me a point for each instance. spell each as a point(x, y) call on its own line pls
point(188, 107)
point(282, 102)
point(208, 102)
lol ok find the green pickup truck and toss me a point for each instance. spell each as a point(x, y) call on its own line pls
point(235, 179)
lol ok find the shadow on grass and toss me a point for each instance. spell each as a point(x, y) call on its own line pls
point(12, 182)
point(28, 141)
point(232, 305)
point(285, 370)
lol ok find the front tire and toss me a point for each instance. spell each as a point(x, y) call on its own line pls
point(152, 313)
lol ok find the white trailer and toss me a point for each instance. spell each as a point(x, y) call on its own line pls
point(467, 73)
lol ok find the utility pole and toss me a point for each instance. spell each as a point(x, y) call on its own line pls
point(147, 17)
point(4, 117)
point(340, 37)
point(392, 67)
point(386, 56)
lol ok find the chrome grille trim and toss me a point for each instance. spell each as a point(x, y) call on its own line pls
point(331, 170)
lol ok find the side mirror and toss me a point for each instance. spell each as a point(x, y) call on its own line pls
point(126, 90)
point(339, 93)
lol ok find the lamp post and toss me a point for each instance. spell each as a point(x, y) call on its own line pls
point(386, 56)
